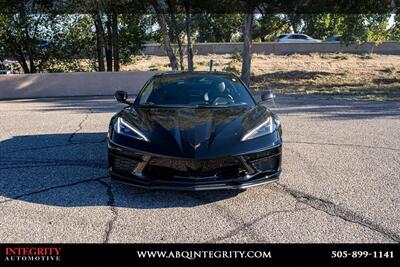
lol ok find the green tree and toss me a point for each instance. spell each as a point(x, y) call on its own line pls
point(320, 26)
point(377, 25)
point(75, 41)
point(131, 36)
point(357, 28)
point(268, 26)
point(24, 36)
point(217, 27)
point(42, 42)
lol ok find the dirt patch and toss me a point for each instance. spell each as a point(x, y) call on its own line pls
point(341, 75)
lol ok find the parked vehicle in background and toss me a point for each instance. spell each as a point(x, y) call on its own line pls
point(296, 38)
point(280, 37)
point(7, 70)
point(340, 39)
point(334, 39)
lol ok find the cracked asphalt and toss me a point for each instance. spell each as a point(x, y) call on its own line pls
point(341, 180)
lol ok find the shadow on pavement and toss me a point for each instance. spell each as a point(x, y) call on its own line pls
point(335, 109)
point(93, 104)
point(57, 170)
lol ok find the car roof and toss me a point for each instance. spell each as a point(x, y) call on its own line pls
point(292, 34)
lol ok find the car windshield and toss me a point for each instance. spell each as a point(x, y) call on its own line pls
point(194, 90)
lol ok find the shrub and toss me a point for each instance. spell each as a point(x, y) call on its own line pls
point(237, 56)
point(231, 68)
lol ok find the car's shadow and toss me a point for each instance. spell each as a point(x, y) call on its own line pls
point(70, 170)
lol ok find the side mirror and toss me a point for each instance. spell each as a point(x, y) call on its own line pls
point(122, 96)
point(267, 96)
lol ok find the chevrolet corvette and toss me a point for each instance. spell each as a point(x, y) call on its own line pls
point(194, 131)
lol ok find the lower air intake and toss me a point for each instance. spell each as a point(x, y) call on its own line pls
point(123, 164)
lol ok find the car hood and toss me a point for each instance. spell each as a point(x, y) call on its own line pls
point(196, 132)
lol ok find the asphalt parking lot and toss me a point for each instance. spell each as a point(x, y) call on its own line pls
point(341, 180)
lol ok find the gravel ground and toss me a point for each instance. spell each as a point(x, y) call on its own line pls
point(341, 180)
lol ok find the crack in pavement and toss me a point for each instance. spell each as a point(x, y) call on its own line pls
point(53, 187)
point(80, 126)
point(237, 230)
point(114, 211)
point(69, 141)
point(331, 208)
point(334, 210)
point(346, 145)
point(224, 212)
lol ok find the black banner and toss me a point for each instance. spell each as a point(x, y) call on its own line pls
point(200, 254)
point(208, 6)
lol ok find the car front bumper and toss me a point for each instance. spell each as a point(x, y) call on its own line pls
point(151, 171)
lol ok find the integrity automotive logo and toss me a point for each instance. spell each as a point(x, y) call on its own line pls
point(32, 254)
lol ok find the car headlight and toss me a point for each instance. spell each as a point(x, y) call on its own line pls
point(122, 127)
point(266, 127)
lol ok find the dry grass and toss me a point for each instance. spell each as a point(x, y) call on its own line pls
point(341, 75)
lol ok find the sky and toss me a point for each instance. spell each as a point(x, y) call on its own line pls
point(391, 21)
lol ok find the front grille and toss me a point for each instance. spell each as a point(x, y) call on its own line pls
point(126, 165)
point(166, 168)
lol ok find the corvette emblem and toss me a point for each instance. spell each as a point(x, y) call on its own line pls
point(195, 146)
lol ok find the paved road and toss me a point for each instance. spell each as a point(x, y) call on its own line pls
point(341, 180)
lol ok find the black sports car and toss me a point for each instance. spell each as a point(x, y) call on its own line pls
point(194, 131)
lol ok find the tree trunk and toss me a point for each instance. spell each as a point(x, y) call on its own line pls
point(189, 39)
point(22, 61)
point(247, 34)
point(293, 23)
point(24, 66)
point(20, 47)
point(32, 66)
point(180, 50)
point(99, 40)
point(115, 38)
point(28, 47)
point(108, 40)
point(18, 52)
point(164, 32)
point(171, 7)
